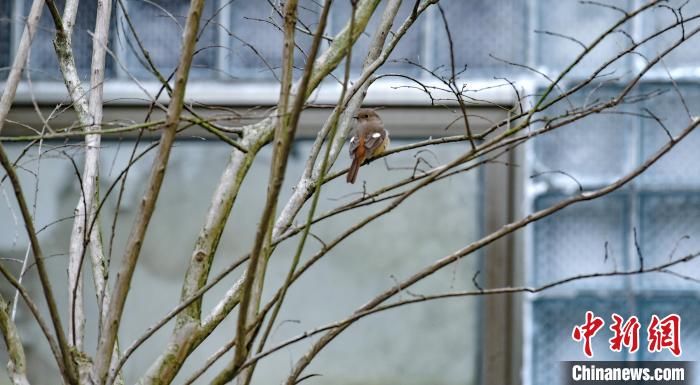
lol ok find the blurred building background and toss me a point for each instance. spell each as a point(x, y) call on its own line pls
point(495, 340)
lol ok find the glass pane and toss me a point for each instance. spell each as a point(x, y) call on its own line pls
point(678, 168)
point(409, 47)
point(43, 63)
point(668, 222)
point(159, 25)
point(552, 324)
point(687, 305)
point(658, 18)
point(573, 242)
point(608, 139)
point(482, 28)
point(256, 44)
point(5, 35)
point(583, 22)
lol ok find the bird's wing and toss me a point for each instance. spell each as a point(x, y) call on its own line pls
point(354, 142)
point(374, 139)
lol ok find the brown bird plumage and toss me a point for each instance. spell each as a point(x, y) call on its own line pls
point(370, 139)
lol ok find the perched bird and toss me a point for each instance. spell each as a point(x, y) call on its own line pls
point(370, 139)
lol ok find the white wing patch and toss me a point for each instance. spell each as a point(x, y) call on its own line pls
point(376, 135)
point(353, 139)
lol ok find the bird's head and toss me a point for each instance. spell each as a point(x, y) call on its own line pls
point(366, 114)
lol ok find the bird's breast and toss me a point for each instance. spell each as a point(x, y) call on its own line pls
point(382, 147)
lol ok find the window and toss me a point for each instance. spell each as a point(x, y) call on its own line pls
point(583, 23)
point(42, 62)
point(682, 62)
point(5, 36)
point(658, 212)
point(413, 47)
point(156, 23)
point(241, 41)
point(481, 29)
point(256, 39)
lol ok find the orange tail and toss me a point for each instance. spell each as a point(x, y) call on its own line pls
point(357, 161)
point(354, 168)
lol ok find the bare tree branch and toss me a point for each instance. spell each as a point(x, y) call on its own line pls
point(284, 135)
point(303, 362)
point(17, 367)
point(8, 93)
point(34, 309)
point(392, 7)
point(376, 57)
point(662, 268)
point(92, 155)
point(110, 325)
point(253, 138)
point(68, 369)
point(453, 78)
